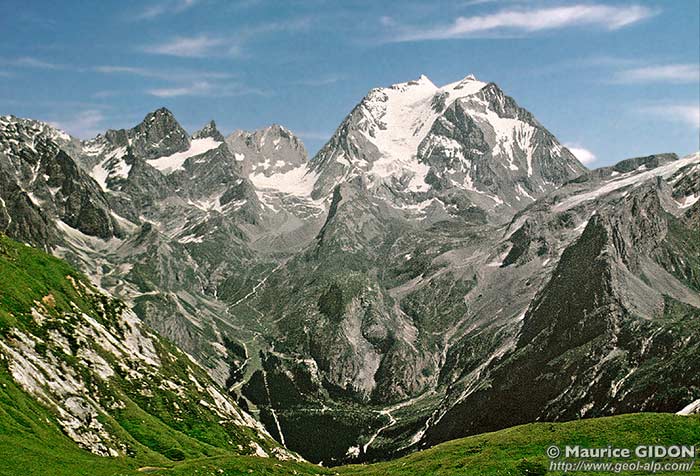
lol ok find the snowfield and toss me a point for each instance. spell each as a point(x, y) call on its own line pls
point(174, 162)
point(298, 182)
point(401, 117)
point(625, 181)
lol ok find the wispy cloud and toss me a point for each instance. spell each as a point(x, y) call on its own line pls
point(205, 45)
point(584, 155)
point(624, 70)
point(31, 62)
point(175, 91)
point(601, 61)
point(166, 7)
point(688, 114)
point(206, 88)
point(189, 47)
point(110, 69)
point(290, 24)
point(471, 3)
point(606, 64)
point(167, 74)
point(670, 73)
point(322, 80)
point(181, 82)
point(84, 124)
point(523, 21)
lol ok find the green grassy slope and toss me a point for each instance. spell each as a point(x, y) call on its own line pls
point(151, 423)
point(505, 452)
point(31, 443)
point(502, 452)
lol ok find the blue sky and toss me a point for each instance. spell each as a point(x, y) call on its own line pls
point(610, 79)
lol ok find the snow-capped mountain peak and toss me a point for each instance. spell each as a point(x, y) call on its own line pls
point(397, 119)
point(416, 137)
point(382, 134)
point(421, 82)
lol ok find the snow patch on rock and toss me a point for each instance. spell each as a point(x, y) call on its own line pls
point(174, 162)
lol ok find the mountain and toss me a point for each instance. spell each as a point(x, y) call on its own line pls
point(366, 299)
point(405, 286)
point(611, 330)
point(465, 139)
point(86, 389)
point(39, 178)
point(276, 163)
point(256, 149)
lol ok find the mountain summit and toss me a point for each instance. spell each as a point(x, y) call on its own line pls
point(466, 136)
point(209, 130)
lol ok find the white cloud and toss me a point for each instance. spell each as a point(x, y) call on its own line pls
point(167, 74)
point(31, 62)
point(584, 156)
point(83, 125)
point(469, 3)
point(290, 24)
point(688, 114)
point(167, 7)
point(206, 88)
point(387, 21)
point(529, 21)
point(152, 11)
point(472, 3)
point(181, 82)
point(122, 69)
point(189, 47)
point(206, 45)
point(195, 89)
point(673, 73)
point(322, 80)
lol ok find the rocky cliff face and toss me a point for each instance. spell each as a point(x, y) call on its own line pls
point(42, 185)
point(486, 143)
point(158, 135)
point(255, 150)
